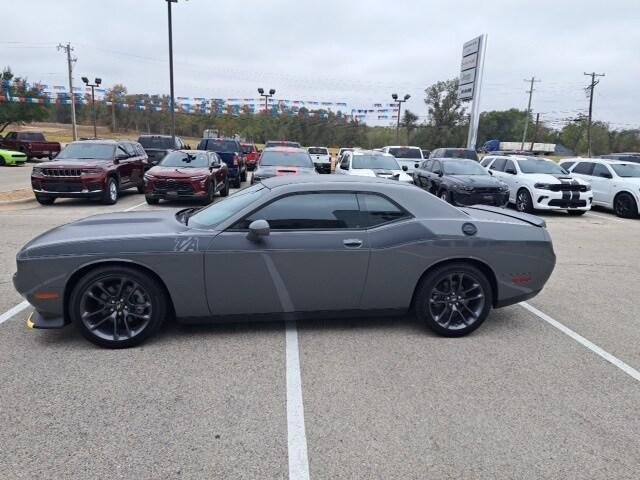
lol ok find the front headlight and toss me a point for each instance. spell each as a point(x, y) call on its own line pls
point(542, 186)
point(200, 178)
point(587, 188)
point(148, 176)
point(90, 171)
point(37, 171)
point(504, 187)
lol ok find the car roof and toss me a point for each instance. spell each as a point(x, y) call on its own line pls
point(154, 136)
point(328, 180)
point(105, 141)
point(285, 149)
point(371, 152)
point(402, 146)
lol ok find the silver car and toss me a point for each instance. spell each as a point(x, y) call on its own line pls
point(118, 276)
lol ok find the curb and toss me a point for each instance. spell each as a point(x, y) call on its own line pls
point(14, 202)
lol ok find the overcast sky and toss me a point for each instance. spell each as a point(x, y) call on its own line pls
point(355, 51)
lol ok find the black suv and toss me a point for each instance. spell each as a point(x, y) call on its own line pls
point(157, 146)
point(449, 152)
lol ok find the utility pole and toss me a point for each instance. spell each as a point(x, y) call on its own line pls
point(532, 80)
point(535, 133)
point(68, 49)
point(172, 106)
point(589, 89)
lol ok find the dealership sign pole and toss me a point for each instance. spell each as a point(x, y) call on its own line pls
point(470, 85)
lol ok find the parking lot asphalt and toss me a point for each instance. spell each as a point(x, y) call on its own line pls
point(15, 177)
point(381, 398)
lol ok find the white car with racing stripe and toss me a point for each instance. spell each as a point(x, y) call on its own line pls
point(615, 184)
point(540, 184)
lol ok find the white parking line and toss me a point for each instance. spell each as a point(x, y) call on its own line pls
point(297, 439)
point(13, 311)
point(21, 306)
point(580, 339)
point(134, 207)
point(591, 214)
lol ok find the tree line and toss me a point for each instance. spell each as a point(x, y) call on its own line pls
point(447, 123)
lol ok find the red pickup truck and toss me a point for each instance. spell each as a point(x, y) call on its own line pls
point(33, 144)
point(252, 155)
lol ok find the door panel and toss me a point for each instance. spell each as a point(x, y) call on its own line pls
point(287, 271)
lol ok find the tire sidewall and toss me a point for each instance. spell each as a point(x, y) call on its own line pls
point(528, 206)
point(634, 207)
point(424, 290)
point(106, 198)
point(157, 294)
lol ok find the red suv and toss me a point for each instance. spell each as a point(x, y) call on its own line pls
point(98, 169)
point(187, 174)
point(252, 154)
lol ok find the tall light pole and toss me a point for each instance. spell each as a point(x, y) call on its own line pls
point(97, 83)
point(172, 101)
point(399, 102)
point(266, 96)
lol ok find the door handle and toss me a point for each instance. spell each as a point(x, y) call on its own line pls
point(352, 243)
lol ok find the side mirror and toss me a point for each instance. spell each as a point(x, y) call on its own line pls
point(257, 229)
point(405, 168)
point(490, 172)
point(440, 174)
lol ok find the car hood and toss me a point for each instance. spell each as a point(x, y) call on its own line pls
point(268, 171)
point(93, 235)
point(75, 164)
point(477, 181)
point(177, 172)
point(553, 179)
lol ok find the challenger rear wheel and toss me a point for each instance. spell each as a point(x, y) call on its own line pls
point(117, 307)
point(454, 299)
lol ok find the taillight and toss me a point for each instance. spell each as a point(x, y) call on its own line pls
point(236, 161)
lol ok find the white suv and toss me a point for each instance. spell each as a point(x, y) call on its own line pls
point(369, 163)
point(615, 184)
point(410, 157)
point(540, 184)
point(321, 159)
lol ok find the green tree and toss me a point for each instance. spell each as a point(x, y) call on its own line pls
point(446, 114)
point(410, 123)
point(18, 112)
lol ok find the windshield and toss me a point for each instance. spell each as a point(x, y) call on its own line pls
point(626, 170)
point(289, 159)
point(185, 160)
point(87, 151)
point(155, 142)
point(318, 151)
point(460, 153)
point(33, 137)
point(463, 167)
point(541, 166)
point(218, 145)
point(406, 152)
point(375, 161)
point(282, 144)
point(220, 211)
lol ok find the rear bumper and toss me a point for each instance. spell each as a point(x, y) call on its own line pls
point(323, 167)
point(39, 321)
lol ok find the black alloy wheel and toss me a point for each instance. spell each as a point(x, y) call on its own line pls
point(225, 190)
point(454, 299)
point(117, 307)
point(624, 205)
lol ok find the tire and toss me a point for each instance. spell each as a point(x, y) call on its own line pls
point(211, 194)
point(140, 188)
point(576, 213)
point(110, 194)
point(45, 200)
point(243, 176)
point(111, 294)
point(152, 200)
point(624, 205)
point(3, 162)
point(225, 190)
point(444, 195)
point(237, 183)
point(524, 203)
point(454, 299)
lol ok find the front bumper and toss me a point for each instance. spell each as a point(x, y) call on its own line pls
point(465, 199)
point(167, 190)
point(323, 167)
point(548, 200)
point(67, 188)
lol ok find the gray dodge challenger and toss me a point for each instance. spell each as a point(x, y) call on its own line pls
point(291, 247)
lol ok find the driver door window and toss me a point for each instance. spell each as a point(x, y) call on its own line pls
point(498, 165)
point(344, 165)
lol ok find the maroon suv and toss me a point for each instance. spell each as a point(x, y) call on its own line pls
point(98, 169)
point(187, 174)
